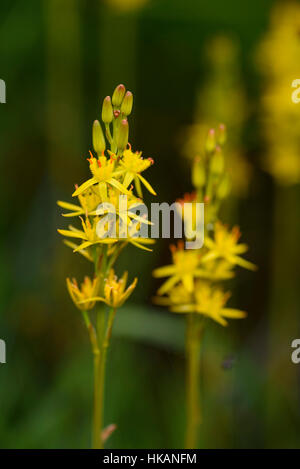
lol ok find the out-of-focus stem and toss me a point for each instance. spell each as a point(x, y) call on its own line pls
point(193, 345)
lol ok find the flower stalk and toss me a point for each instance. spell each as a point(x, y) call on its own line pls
point(113, 175)
point(193, 286)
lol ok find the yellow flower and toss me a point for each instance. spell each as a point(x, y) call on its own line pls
point(133, 165)
point(103, 173)
point(89, 200)
point(178, 295)
point(88, 235)
point(82, 297)
point(115, 292)
point(210, 301)
point(185, 268)
point(225, 246)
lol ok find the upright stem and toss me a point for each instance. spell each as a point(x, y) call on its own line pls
point(103, 333)
point(193, 344)
point(98, 402)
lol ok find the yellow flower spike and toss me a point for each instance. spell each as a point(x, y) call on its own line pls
point(184, 269)
point(210, 301)
point(82, 296)
point(133, 165)
point(115, 291)
point(103, 175)
point(225, 246)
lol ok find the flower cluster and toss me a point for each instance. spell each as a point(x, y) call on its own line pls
point(114, 187)
point(278, 61)
point(194, 277)
point(115, 171)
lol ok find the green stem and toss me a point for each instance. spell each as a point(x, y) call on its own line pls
point(98, 401)
point(193, 344)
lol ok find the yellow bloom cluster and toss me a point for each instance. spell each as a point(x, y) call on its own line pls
point(115, 171)
point(194, 277)
point(278, 61)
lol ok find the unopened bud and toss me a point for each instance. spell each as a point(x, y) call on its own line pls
point(224, 187)
point(127, 103)
point(118, 95)
point(98, 138)
point(198, 173)
point(122, 137)
point(107, 110)
point(210, 144)
point(217, 162)
point(222, 134)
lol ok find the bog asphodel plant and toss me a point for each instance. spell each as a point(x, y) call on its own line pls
point(115, 171)
point(196, 277)
point(278, 61)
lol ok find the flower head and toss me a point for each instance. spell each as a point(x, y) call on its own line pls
point(209, 301)
point(82, 296)
point(115, 291)
point(185, 268)
point(133, 165)
point(225, 246)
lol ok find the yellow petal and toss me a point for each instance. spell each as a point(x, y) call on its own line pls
point(188, 282)
point(73, 234)
point(166, 286)
point(68, 206)
point(113, 182)
point(146, 184)
point(164, 271)
point(84, 186)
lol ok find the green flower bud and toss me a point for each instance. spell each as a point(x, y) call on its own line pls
point(107, 110)
point(122, 137)
point(127, 103)
point(224, 187)
point(118, 95)
point(98, 138)
point(198, 173)
point(222, 134)
point(210, 144)
point(217, 162)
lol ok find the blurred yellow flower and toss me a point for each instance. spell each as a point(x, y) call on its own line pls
point(185, 268)
point(278, 61)
point(225, 246)
point(210, 301)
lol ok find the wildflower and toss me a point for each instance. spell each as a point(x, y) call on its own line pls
point(225, 246)
point(210, 301)
point(88, 234)
point(133, 165)
point(185, 268)
point(103, 237)
point(103, 175)
point(83, 296)
point(115, 291)
point(89, 201)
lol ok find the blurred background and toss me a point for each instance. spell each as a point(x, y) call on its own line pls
point(190, 65)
